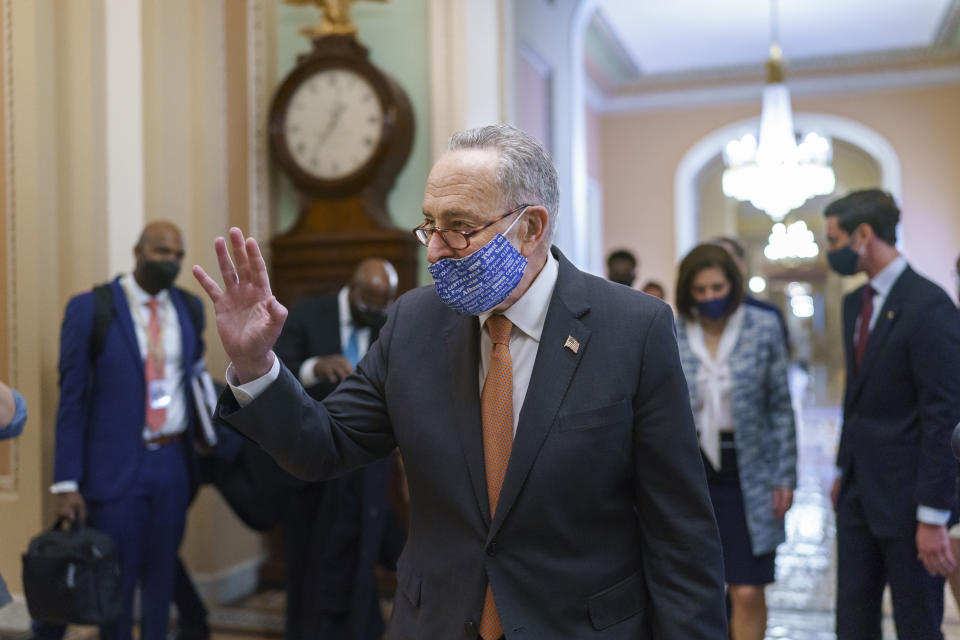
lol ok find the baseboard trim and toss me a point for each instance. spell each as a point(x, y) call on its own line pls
point(230, 584)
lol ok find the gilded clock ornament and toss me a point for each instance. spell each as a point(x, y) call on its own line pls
point(335, 19)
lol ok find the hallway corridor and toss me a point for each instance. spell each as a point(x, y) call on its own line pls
point(801, 601)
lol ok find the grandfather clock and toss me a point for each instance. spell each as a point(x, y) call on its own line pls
point(342, 130)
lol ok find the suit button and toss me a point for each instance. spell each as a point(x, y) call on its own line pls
point(470, 629)
point(492, 549)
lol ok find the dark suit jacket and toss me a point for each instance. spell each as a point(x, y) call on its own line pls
point(312, 329)
point(901, 406)
point(100, 417)
point(604, 527)
point(335, 532)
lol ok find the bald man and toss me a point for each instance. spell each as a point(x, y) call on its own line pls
point(124, 455)
point(335, 532)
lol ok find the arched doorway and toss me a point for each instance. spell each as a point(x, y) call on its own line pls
point(807, 292)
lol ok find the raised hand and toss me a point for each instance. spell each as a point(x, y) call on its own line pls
point(249, 318)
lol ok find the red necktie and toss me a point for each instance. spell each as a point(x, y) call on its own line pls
point(154, 367)
point(496, 410)
point(866, 312)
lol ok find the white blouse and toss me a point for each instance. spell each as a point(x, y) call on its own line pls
point(714, 413)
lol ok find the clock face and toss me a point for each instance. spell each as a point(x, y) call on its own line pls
point(333, 124)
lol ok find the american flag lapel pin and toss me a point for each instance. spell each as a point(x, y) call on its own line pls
point(572, 344)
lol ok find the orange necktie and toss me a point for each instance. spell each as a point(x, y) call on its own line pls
point(154, 367)
point(496, 410)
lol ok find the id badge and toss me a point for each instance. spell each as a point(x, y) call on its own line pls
point(159, 394)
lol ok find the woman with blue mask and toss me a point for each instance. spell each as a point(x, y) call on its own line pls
point(735, 363)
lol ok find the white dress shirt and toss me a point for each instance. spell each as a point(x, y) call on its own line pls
point(714, 413)
point(307, 376)
point(177, 415)
point(527, 315)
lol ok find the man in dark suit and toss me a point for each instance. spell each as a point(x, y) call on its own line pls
point(337, 532)
point(556, 489)
point(896, 492)
point(124, 454)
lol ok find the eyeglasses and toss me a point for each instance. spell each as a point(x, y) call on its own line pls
point(457, 239)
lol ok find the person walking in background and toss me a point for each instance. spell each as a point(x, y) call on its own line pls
point(13, 416)
point(622, 267)
point(739, 255)
point(736, 369)
point(896, 493)
point(337, 532)
point(655, 289)
point(954, 577)
point(124, 457)
point(550, 451)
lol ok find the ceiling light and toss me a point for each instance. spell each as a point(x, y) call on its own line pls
point(775, 173)
point(757, 284)
point(794, 242)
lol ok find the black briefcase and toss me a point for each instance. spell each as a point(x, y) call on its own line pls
point(72, 576)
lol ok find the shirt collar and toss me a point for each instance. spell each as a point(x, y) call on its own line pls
point(140, 297)
point(883, 281)
point(530, 312)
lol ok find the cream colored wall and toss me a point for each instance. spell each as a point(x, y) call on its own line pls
point(186, 118)
point(55, 209)
point(641, 151)
point(30, 214)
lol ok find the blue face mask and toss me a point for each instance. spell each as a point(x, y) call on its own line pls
point(843, 260)
point(482, 280)
point(715, 309)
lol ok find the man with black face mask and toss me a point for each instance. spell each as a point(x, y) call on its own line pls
point(896, 492)
point(124, 454)
point(336, 532)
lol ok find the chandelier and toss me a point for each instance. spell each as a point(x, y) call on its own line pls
point(794, 242)
point(776, 174)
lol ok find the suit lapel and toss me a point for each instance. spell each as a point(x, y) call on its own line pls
point(888, 316)
point(553, 370)
point(121, 310)
point(187, 332)
point(463, 337)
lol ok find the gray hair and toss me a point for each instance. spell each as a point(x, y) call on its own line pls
point(525, 172)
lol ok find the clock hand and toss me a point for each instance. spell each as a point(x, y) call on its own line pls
point(338, 109)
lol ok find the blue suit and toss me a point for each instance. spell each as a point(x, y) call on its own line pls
point(899, 411)
point(138, 495)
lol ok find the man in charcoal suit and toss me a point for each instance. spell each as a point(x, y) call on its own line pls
point(556, 488)
point(336, 532)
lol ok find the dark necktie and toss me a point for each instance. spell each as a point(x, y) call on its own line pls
point(866, 312)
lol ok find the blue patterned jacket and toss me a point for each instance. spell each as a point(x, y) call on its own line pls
point(764, 426)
